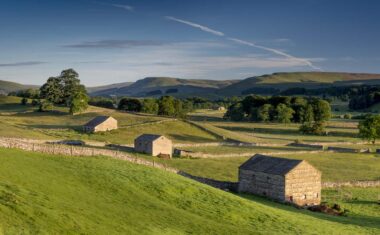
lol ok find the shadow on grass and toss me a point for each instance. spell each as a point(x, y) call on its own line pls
point(190, 138)
point(362, 221)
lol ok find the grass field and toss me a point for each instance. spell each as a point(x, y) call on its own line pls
point(65, 195)
point(17, 120)
point(334, 166)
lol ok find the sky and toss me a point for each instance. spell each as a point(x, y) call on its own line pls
point(126, 40)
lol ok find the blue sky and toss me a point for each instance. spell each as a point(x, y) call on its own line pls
point(126, 40)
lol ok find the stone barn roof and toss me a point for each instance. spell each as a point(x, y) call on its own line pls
point(148, 137)
point(270, 165)
point(97, 121)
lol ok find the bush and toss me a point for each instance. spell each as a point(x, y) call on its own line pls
point(35, 102)
point(45, 106)
point(347, 116)
point(24, 101)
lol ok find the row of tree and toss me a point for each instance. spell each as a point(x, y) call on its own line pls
point(312, 113)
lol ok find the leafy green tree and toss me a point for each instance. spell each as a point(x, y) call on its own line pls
point(150, 106)
point(70, 81)
point(130, 104)
point(284, 113)
point(24, 101)
point(52, 90)
point(322, 110)
point(78, 101)
point(369, 128)
point(263, 112)
point(45, 106)
point(166, 106)
point(235, 112)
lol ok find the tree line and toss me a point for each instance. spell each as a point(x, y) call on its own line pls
point(312, 113)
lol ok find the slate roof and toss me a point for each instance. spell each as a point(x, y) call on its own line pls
point(270, 165)
point(97, 121)
point(148, 137)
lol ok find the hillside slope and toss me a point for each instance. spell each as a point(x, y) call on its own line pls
point(300, 79)
point(65, 195)
point(162, 85)
point(7, 86)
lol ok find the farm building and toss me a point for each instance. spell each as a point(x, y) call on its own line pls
point(286, 180)
point(100, 123)
point(156, 145)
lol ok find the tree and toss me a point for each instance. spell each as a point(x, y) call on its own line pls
point(235, 112)
point(52, 90)
point(369, 128)
point(150, 106)
point(166, 106)
point(70, 82)
point(130, 104)
point(263, 113)
point(284, 113)
point(45, 106)
point(24, 101)
point(78, 101)
point(322, 110)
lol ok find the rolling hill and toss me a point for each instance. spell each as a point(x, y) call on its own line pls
point(6, 87)
point(283, 81)
point(44, 194)
point(156, 86)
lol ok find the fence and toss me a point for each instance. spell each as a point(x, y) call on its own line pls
point(29, 145)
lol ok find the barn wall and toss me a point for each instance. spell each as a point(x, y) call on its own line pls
point(303, 185)
point(109, 124)
point(142, 146)
point(162, 146)
point(263, 184)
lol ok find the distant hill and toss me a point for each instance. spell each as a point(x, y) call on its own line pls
point(156, 86)
point(6, 87)
point(109, 88)
point(283, 81)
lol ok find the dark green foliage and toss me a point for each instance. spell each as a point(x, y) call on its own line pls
point(369, 128)
point(28, 93)
point(264, 113)
point(171, 90)
point(130, 104)
point(45, 106)
point(235, 112)
point(284, 113)
point(67, 90)
point(24, 101)
point(154, 93)
point(150, 105)
point(35, 102)
point(102, 102)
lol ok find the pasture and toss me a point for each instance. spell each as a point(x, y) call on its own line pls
point(57, 194)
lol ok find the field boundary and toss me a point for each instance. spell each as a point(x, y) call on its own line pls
point(55, 149)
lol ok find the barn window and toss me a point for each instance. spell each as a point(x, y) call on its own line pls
point(304, 196)
point(291, 198)
point(264, 193)
point(316, 195)
point(268, 178)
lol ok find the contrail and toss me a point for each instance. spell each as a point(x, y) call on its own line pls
point(275, 51)
point(201, 27)
point(236, 40)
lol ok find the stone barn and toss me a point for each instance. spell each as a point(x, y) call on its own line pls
point(155, 145)
point(285, 180)
point(100, 123)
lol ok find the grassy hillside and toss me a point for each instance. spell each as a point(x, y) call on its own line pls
point(18, 120)
point(66, 195)
point(301, 79)
point(184, 86)
point(6, 86)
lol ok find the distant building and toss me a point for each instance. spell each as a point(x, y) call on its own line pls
point(220, 108)
point(286, 180)
point(155, 145)
point(100, 123)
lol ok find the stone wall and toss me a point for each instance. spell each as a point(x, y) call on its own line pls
point(260, 183)
point(362, 184)
point(346, 150)
point(303, 185)
point(302, 145)
point(78, 151)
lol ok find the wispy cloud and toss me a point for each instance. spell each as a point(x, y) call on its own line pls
point(243, 42)
point(23, 63)
point(114, 44)
point(195, 25)
point(123, 6)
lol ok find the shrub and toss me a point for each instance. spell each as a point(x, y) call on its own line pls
point(24, 101)
point(45, 106)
